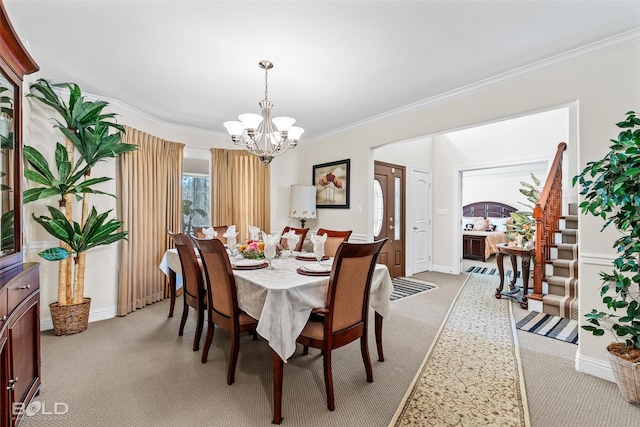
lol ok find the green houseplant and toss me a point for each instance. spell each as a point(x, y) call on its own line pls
point(611, 190)
point(88, 137)
point(523, 223)
point(188, 212)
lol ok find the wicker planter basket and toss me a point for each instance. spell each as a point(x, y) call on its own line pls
point(70, 319)
point(627, 376)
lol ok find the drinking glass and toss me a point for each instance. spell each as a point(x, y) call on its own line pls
point(318, 252)
point(270, 254)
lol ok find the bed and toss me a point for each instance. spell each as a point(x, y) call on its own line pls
point(478, 242)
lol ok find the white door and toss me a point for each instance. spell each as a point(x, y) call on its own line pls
point(421, 220)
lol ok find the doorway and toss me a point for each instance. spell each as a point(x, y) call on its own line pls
point(389, 214)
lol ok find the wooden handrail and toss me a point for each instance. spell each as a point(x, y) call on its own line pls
point(547, 214)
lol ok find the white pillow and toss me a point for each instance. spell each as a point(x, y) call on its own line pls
point(500, 223)
point(467, 220)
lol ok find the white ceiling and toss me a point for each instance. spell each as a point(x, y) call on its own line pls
point(194, 63)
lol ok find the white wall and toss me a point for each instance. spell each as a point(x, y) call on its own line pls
point(602, 94)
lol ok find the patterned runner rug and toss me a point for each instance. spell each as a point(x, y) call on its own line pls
point(550, 326)
point(488, 270)
point(406, 286)
point(471, 375)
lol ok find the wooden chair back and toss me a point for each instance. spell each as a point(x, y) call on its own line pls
point(222, 295)
point(302, 232)
point(334, 239)
point(345, 316)
point(349, 286)
point(192, 279)
point(222, 308)
point(220, 229)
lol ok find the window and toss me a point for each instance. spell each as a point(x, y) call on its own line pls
point(378, 207)
point(196, 194)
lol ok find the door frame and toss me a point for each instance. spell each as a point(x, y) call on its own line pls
point(456, 231)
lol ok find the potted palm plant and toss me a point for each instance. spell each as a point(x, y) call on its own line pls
point(611, 189)
point(87, 131)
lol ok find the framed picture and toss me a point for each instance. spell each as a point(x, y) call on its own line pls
point(332, 184)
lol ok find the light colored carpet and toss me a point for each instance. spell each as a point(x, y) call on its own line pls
point(472, 374)
point(136, 371)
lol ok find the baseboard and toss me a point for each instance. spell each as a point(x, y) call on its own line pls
point(596, 367)
point(442, 269)
point(94, 315)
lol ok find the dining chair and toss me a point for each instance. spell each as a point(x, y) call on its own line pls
point(193, 290)
point(334, 238)
point(220, 229)
point(345, 318)
point(302, 232)
point(222, 301)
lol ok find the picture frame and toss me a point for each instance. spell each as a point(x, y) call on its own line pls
point(332, 181)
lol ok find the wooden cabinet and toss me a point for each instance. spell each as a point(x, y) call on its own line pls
point(473, 247)
point(19, 340)
point(19, 282)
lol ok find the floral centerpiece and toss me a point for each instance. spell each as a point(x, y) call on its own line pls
point(252, 249)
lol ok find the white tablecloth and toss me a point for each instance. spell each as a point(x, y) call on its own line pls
point(282, 299)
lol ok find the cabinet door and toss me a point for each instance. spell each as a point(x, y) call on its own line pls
point(5, 411)
point(24, 347)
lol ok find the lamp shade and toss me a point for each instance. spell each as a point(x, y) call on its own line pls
point(303, 201)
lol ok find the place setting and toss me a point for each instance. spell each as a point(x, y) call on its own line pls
point(317, 268)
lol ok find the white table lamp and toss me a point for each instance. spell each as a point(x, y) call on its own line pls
point(303, 202)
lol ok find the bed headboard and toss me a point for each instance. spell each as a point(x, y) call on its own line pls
point(488, 210)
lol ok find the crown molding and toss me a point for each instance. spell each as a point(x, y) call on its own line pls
point(166, 126)
point(593, 49)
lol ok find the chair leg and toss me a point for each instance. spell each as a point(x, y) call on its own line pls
point(305, 350)
point(378, 331)
point(185, 313)
point(328, 379)
point(233, 358)
point(364, 349)
point(199, 325)
point(255, 334)
point(207, 343)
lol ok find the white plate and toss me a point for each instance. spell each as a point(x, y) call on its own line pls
point(316, 268)
point(246, 262)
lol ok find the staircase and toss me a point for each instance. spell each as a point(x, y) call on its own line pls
point(560, 283)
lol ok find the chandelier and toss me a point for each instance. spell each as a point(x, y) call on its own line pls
point(255, 132)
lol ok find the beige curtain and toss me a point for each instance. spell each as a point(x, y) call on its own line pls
point(240, 193)
point(150, 204)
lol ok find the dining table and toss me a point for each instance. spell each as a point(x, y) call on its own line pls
point(281, 296)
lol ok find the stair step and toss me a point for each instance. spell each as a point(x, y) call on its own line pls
point(559, 285)
point(567, 250)
point(551, 304)
point(569, 222)
point(565, 267)
point(574, 209)
point(569, 236)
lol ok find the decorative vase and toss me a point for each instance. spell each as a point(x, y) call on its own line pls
point(627, 375)
point(70, 319)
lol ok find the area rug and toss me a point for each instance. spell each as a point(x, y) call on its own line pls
point(406, 286)
point(550, 326)
point(488, 270)
point(472, 375)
